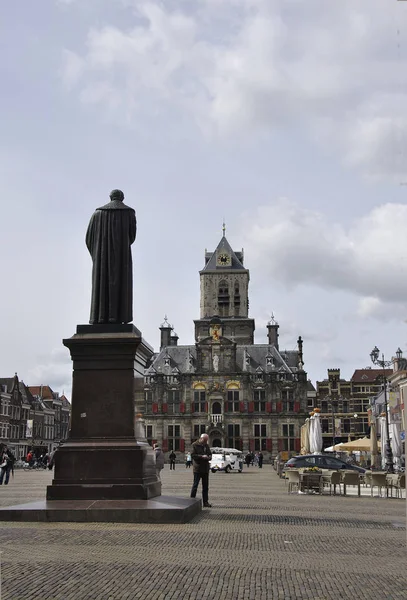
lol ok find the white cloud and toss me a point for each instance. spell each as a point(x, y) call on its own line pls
point(253, 66)
point(297, 246)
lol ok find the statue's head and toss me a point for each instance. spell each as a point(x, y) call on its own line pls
point(117, 195)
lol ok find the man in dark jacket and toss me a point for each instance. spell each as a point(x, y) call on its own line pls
point(201, 455)
point(172, 458)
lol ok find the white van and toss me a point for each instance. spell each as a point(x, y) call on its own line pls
point(226, 459)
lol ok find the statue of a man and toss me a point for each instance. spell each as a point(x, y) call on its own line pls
point(111, 231)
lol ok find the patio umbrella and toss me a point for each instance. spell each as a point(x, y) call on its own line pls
point(361, 445)
point(395, 439)
point(336, 448)
point(305, 449)
point(383, 440)
point(373, 441)
point(316, 437)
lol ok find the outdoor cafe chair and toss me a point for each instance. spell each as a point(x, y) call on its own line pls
point(350, 478)
point(398, 482)
point(379, 480)
point(293, 477)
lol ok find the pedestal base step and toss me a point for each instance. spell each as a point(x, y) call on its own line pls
point(161, 509)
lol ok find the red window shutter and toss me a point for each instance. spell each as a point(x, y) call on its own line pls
point(165, 445)
point(279, 407)
point(280, 445)
point(206, 407)
point(298, 445)
point(269, 445)
point(251, 407)
point(182, 407)
point(268, 407)
point(241, 407)
point(251, 445)
point(182, 445)
point(155, 407)
point(296, 407)
point(165, 408)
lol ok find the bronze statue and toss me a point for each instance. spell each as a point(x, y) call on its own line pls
point(111, 231)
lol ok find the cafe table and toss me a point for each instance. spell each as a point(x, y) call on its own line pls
point(311, 482)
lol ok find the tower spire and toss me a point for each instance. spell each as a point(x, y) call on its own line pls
point(224, 227)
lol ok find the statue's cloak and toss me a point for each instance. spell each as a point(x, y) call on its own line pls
point(111, 231)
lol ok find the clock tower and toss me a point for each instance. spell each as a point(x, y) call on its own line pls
point(224, 293)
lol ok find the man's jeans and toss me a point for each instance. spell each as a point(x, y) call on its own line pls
point(5, 472)
point(205, 485)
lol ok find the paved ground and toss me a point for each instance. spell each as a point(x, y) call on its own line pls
point(256, 543)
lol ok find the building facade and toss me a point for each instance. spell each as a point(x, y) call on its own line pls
point(345, 404)
point(243, 395)
point(31, 417)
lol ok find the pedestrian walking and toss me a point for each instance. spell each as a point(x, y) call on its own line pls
point(201, 456)
point(159, 460)
point(6, 465)
point(172, 458)
point(188, 461)
point(248, 459)
point(260, 459)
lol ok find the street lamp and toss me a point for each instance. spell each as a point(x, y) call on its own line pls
point(374, 355)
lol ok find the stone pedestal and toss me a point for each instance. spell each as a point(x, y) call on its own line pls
point(102, 458)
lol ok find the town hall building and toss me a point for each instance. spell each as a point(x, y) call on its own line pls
point(243, 395)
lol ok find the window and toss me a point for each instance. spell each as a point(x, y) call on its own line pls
point(149, 433)
point(199, 430)
point(259, 397)
point(346, 425)
point(362, 425)
point(223, 299)
point(324, 406)
point(365, 404)
point(260, 437)
point(288, 437)
point(345, 406)
point(174, 435)
point(234, 440)
point(173, 402)
point(233, 400)
point(310, 402)
point(148, 397)
point(287, 394)
point(357, 406)
point(269, 361)
point(199, 401)
point(288, 406)
point(325, 425)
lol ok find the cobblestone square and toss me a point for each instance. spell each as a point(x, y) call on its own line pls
point(257, 542)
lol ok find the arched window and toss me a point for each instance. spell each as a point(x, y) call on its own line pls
point(223, 299)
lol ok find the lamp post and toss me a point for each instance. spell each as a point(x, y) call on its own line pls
point(374, 355)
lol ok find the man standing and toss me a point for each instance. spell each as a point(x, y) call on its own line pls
point(111, 231)
point(172, 458)
point(201, 455)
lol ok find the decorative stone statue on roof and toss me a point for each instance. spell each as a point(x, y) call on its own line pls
point(111, 231)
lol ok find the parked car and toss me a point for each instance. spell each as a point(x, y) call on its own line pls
point(322, 461)
point(226, 459)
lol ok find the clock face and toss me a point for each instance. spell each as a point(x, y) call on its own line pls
point(224, 260)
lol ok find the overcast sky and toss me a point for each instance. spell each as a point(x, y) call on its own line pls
point(285, 117)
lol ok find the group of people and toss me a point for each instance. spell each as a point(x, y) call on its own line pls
point(200, 458)
point(254, 459)
point(43, 460)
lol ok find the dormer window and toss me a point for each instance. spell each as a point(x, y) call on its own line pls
point(166, 362)
point(269, 361)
